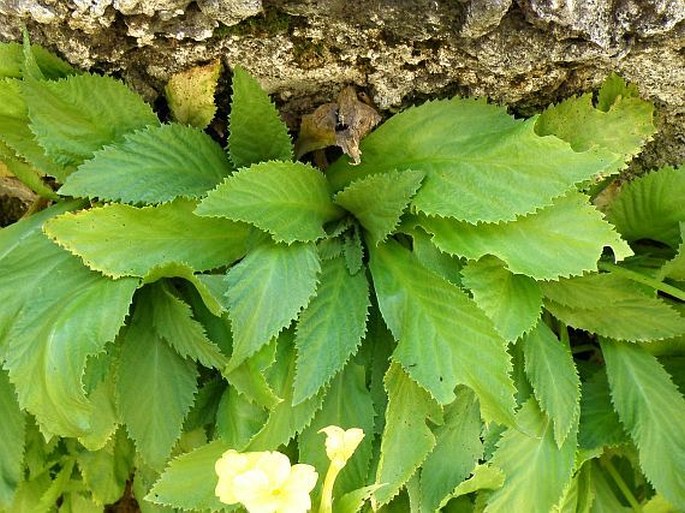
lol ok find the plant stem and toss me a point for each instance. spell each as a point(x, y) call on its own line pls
point(326, 504)
point(583, 348)
point(609, 467)
point(645, 280)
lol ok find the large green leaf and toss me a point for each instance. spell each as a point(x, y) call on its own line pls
point(550, 369)
point(536, 470)
point(407, 440)
point(612, 306)
point(153, 165)
point(121, 240)
point(290, 200)
point(257, 133)
point(378, 201)
point(564, 239)
point(266, 291)
point(650, 207)
point(75, 116)
point(348, 405)
point(189, 480)
point(480, 163)
point(56, 314)
point(456, 452)
point(331, 328)
point(653, 412)
point(622, 121)
point(444, 339)
point(512, 301)
point(155, 388)
point(12, 435)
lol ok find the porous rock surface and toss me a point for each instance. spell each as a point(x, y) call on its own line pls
point(522, 53)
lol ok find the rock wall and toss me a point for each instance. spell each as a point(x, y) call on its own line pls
point(523, 53)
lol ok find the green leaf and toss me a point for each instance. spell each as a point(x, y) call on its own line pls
point(266, 291)
point(348, 405)
point(605, 500)
point(675, 268)
point(76, 116)
point(249, 378)
point(650, 207)
point(153, 165)
point(99, 380)
point(378, 201)
point(189, 480)
point(444, 339)
point(285, 420)
point(536, 470)
point(621, 123)
point(484, 477)
point(612, 306)
point(172, 320)
point(353, 501)
point(353, 251)
point(238, 419)
point(56, 314)
point(12, 436)
point(456, 452)
point(653, 412)
point(12, 61)
point(11, 57)
point(290, 200)
point(190, 94)
point(550, 369)
point(121, 240)
point(599, 423)
point(155, 388)
point(331, 328)
point(496, 166)
point(29, 176)
point(512, 301)
point(564, 239)
point(407, 440)
point(257, 133)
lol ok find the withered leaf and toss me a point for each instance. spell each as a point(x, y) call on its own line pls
point(190, 94)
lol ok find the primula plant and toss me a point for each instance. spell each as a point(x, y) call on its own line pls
point(180, 321)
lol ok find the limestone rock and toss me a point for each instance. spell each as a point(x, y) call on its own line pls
point(523, 53)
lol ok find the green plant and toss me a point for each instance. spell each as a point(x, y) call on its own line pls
point(456, 296)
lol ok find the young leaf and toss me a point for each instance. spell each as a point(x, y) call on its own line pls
point(353, 251)
point(348, 405)
point(257, 133)
point(172, 320)
point(56, 314)
point(466, 147)
point(456, 452)
point(155, 388)
point(266, 291)
point(378, 201)
point(290, 200)
point(189, 480)
point(191, 94)
point(550, 369)
point(153, 165)
point(612, 306)
point(444, 339)
point(536, 470)
point(512, 301)
point(650, 207)
point(75, 116)
point(12, 436)
point(564, 239)
point(621, 123)
point(407, 440)
point(330, 328)
point(121, 240)
point(653, 412)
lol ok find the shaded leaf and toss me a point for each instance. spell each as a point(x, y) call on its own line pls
point(599, 424)
point(266, 291)
point(153, 165)
point(12, 436)
point(444, 339)
point(290, 200)
point(512, 301)
point(378, 201)
point(121, 240)
point(331, 328)
point(190, 94)
point(238, 419)
point(249, 377)
point(257, 133)
point(564, 239)
point(653, 412)
point(466, 147)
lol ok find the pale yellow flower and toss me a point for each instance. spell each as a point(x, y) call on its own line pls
point(341, 444)
point(264, 482)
